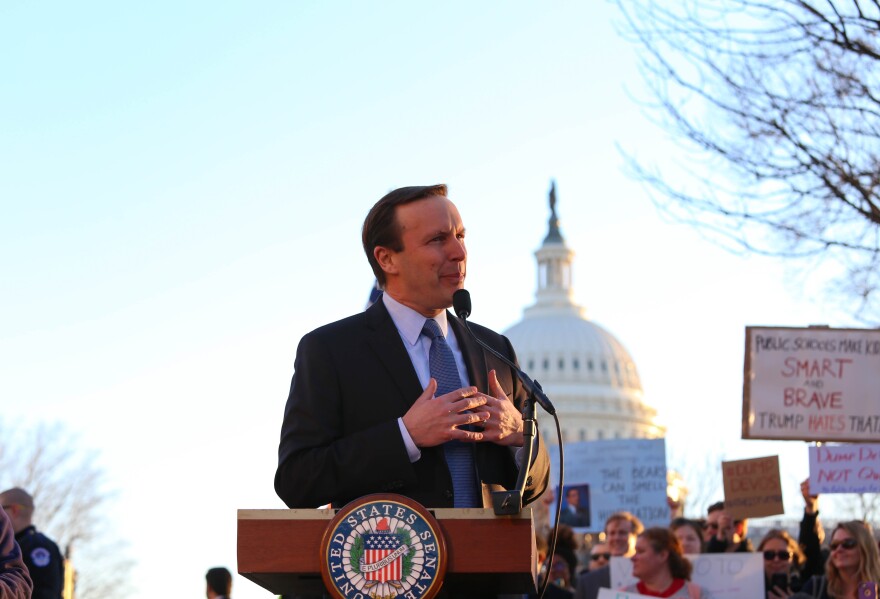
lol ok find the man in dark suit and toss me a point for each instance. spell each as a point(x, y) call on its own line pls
point(573, 513)
point(362, 416)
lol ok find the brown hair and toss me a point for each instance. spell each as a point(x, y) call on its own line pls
point(797, 554)
point(869, 557)
point(662, 539)
point(381, 228)
point(694, 525)
point(637, 526)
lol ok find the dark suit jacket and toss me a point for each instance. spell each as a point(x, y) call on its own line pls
point(589, 583)
point(340, 438)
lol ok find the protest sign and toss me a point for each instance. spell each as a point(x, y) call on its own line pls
point(729, 575)
point(725, 575)
point(845, 469)
point(620, 569)
point(618, 474)
point(618, 594)
point(813, 384)
point(752, 488)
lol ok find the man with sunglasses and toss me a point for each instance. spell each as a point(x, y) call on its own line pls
point(600, 555)
point(621, 530)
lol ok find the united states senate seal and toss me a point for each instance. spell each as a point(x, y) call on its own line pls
point(383, 547)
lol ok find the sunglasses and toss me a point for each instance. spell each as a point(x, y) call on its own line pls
point(846, 544)
point(783, 555)
point(597, 556)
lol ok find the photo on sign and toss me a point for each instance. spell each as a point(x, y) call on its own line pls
point(575, 506)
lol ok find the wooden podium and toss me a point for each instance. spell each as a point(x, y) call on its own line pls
point(280, 550)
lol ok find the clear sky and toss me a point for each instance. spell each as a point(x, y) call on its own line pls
point(182, 190)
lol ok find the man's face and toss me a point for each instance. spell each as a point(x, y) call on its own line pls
point(712, 524)
point(599, 556)
point(573, 497)
point(620, 538)
point(432, 264)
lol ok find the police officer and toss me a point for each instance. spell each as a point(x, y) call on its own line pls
point(41, 555)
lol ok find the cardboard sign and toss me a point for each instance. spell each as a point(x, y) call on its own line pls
point(618, 475)
point(724, 575)
point(752, 488)
point(845, 469)
point(813, 384)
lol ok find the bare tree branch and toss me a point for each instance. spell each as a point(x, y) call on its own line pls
point(776, 106)
point(71, 501)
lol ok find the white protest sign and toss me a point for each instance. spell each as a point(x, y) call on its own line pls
point(618, 594)
point(621, 570)
point(813, 384)
point(725, 575)
point(845, 469)
point(618, 475)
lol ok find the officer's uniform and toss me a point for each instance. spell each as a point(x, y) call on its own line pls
point(44, 562)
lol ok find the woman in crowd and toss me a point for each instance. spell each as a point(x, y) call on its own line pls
point(783, 560)
point(689, 533)
point(854, 559)
point(661, 567)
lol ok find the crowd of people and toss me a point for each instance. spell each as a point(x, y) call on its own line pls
point(846, 567)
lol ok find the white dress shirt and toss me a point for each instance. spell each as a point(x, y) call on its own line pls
point(409, 324)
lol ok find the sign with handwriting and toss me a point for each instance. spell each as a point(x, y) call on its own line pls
point(752, 488)
point(725, 575)
point(812, 384)
point(845, 469)
point(620, 474)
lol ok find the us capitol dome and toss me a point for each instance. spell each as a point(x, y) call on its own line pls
point(584, 370)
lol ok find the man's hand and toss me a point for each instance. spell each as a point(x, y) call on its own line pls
point(726, 530)
point(435, 420)
point(504, 425)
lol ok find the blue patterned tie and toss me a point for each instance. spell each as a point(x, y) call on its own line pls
point(459, 455)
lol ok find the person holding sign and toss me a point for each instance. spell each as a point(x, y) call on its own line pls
point(783, 559)
point(854, 561)
point(811, 535)
point(724, 534)
point(661, 567)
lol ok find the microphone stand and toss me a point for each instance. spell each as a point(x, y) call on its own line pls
point(506, 503)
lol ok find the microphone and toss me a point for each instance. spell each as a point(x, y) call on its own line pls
point(461, 303)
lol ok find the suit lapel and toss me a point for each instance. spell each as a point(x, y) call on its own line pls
point(474, 357)
point(386, 342)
